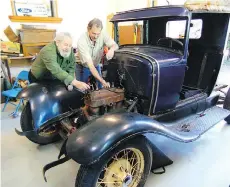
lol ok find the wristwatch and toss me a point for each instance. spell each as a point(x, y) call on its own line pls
point(70, 87)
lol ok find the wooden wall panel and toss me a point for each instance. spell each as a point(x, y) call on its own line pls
point(109, 25)
point(126, 34)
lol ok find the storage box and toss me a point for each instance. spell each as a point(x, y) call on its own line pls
point(31, 49)
point(37, 35)
point(10, 34)
point(10, 47)
point(26, 26)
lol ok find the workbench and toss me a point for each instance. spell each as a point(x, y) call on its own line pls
point(11, 62)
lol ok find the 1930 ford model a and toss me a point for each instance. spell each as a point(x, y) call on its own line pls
point(164, 86)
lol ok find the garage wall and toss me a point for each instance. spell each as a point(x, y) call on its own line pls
point(130, 4)
point(75, 18)
point(171, 2)
point(121, 5)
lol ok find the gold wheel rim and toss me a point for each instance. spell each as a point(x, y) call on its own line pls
point(48, 133)
point(45, 133)
point(125, 169)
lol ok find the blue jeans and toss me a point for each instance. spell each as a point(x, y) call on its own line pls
point(83, 73)
point(78, 72)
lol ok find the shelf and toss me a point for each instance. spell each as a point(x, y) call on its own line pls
point(35, 19)
point(20, 58)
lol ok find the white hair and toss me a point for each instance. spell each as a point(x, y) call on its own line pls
point(61, 36)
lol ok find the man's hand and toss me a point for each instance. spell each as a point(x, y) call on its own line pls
point(80, 85)
point(110, 54)
point(105, 84)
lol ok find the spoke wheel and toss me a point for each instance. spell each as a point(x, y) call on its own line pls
point(124, 170)
point(128, 165)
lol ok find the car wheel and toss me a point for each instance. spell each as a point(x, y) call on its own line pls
point(27, 125)
point(227, 105)
point(128, 164)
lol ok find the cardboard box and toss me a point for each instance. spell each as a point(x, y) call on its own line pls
point(10, 47)
point(10, 34)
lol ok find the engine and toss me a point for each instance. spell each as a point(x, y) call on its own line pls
point(97, 102)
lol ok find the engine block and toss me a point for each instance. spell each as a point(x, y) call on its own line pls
point(104, 97)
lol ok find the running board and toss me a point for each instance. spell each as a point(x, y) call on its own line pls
point(197, 124)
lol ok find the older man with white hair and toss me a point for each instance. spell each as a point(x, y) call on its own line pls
point(57, 61)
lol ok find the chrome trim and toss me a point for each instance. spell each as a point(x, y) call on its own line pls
point(158, 83)
point(148, 58)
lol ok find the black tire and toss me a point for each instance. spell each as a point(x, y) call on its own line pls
point(26, 122)
point(227, 119)
point(227, 101)
point(88, 175)
point(227, 105)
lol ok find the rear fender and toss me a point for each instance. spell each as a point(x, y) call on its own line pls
point(48, 102)
point(90, 143)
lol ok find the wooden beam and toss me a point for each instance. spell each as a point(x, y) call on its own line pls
point(109, 25)
point(150, 3)
point(13, 7)
point(35, 19)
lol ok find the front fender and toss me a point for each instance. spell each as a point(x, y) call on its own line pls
point(50, 100)
point(31, 91)
point(99, 136)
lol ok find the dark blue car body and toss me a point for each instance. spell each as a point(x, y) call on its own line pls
point(172, 83)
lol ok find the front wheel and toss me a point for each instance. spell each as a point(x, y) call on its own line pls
point(27, 125)
point(128, 165)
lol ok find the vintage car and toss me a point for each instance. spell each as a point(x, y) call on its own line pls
point(165, 86)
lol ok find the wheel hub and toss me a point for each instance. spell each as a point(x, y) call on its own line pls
point(122, 170)
point(128, 180)
point(118, 173)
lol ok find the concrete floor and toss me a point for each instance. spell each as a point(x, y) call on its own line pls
point(203, 163)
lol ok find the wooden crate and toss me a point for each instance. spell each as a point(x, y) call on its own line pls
point(37, 35)
point(20, 61)
point(32, 48)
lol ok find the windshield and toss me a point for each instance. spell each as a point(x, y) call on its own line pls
point(166, 32)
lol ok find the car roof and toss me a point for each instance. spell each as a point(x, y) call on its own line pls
point(160, 11)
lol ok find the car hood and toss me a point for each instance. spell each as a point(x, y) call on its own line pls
point(160, 54)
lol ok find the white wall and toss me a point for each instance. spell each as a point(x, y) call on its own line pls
point(171, 2)
point(123, 5)
point(114, 6)
point(75, 17)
